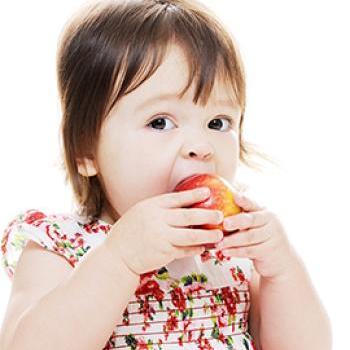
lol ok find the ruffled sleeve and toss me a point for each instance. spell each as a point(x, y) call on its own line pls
point(56, 233)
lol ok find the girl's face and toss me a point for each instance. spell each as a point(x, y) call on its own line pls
point(148, 143)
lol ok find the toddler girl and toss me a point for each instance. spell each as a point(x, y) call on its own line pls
point(127, 270)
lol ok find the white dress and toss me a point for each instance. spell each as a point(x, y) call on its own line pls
point(199, 302)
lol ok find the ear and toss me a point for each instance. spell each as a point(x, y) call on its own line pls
point(87, 167)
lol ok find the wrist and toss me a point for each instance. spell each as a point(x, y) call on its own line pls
point(292, 267)
point(116, 260)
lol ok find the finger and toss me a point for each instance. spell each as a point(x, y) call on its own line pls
point(193, 216)
point(247, 220)
point(241, 252)
point(183, 198)
point(245, 238)
point(256, 252)
point(188, 251)
point(189, 237)
point(246, 203)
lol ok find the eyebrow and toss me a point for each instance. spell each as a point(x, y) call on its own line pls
point(174, 96)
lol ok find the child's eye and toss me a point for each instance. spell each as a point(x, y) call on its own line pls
point(218, 122)
point(159, 122)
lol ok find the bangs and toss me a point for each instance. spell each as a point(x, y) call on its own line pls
point(208, 48)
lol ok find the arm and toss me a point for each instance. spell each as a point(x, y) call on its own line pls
point(82, 311)
point(287, 312)
point(292, 316)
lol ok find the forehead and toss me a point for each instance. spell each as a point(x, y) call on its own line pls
point(171, 78)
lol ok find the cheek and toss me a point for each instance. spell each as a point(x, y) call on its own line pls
point(135, 175)
point(228, 156)
point(228, 148)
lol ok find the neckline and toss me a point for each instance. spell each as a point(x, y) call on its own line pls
point(85, 220)
point(103, 222)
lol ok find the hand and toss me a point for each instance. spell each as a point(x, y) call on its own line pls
point(151, 233)
point(260, 237)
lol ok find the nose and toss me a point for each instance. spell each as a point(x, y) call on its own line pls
point(202, 151)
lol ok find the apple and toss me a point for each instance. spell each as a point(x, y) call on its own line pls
point(221, 196)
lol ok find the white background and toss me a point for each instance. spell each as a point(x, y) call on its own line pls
point(296, 55)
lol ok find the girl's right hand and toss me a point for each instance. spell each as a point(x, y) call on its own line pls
point(152, 232)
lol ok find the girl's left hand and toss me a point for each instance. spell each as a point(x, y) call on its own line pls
point(261, 237)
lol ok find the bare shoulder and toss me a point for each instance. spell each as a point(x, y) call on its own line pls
point(37, 272)
point(254, 313)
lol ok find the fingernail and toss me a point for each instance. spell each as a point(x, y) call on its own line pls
point(238, 195)
point(204, 190)
point(227, 224)
point(239, 198)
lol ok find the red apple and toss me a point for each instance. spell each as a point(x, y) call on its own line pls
point(221, 196)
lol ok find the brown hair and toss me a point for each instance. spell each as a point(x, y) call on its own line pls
point(108, 48)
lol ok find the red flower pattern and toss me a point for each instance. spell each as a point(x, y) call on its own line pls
point(34, 216)
point(238, 274)
point(178, 298)
point(151, 288)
